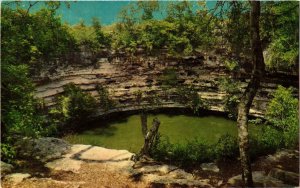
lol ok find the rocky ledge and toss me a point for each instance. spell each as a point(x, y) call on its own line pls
point(87, 166)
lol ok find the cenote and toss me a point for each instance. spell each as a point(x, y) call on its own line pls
point(125, 132)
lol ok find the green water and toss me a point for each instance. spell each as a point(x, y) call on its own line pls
point(126, 133)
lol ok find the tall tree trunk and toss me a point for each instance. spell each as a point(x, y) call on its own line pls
point(249, 93)
point(144, 123)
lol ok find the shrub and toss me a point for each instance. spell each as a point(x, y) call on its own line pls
point(232, 65)
point(232, 88)
point(226, 147)
point(169, 77)
point(190, 97)
point(282, 113)
point(73, 107)
point(8, 152)
point(268, 141)
point(161, 147)
point(105, 101)
point(184, 155)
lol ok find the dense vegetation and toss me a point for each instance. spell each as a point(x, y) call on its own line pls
point(280, 130)
point(34, 40)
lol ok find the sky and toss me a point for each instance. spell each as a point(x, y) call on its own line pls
point(106, 11)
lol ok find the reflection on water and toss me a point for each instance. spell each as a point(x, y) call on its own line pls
point(126, 133)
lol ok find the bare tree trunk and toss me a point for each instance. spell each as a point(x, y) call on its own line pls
point(144, 123)
point(249, 94)
point(149, 139)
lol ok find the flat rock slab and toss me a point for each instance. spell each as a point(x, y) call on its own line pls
point(119, 161)
point(90, 153)
point(17, 177)
point(78, 154)
point(65, 164)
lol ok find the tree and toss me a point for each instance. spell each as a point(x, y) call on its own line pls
point(280, 35)
point(147, 8)
point(102, 38)
point(249, 93)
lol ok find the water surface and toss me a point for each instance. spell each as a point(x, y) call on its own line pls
point(126, 132)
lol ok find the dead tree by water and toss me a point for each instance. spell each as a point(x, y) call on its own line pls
point(144, 123)
point(149, 139)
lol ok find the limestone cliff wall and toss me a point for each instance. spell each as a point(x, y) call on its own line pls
point(124, 75)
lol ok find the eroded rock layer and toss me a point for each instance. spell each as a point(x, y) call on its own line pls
point(124, 76)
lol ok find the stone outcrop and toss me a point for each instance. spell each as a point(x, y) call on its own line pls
point(285, 176)
point(274, 174)
point(124, 75)
point(5, 168)
point(17, 177)
point(210, 167)
point(41, 149)
point(119, 161)
point(260, 179)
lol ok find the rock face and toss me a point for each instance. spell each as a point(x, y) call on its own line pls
point(5, 168)
point(42, 149)
point(210, 167)
point(124, 76)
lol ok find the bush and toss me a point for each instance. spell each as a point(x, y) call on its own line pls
point(282, 113)
point(105, 101)
point(227, 148)
point(190, 97)
point(73, 107)
point(231, 101)
point(169, 77)
point(184, 155)
point(8, 153)
point(268, 141)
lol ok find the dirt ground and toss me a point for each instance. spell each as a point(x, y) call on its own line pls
point(97, 175)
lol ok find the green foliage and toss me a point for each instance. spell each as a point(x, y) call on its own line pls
point(231, 100)
point(226, 148)
point(237, 28)
point(8, 153)
point(231, 65)
point(20, 110)
point(182, 31)
point(190, 97)
point(280, 32)
point(268, 141)
point(73, 107)
point(105, 101)
point(148, 8)
point(93, 38)
point(184, 155)
point(194, 152)
point(33, 38)
point(169, 77)
point(282, 113)
point(21, 113)
point(103, 39)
